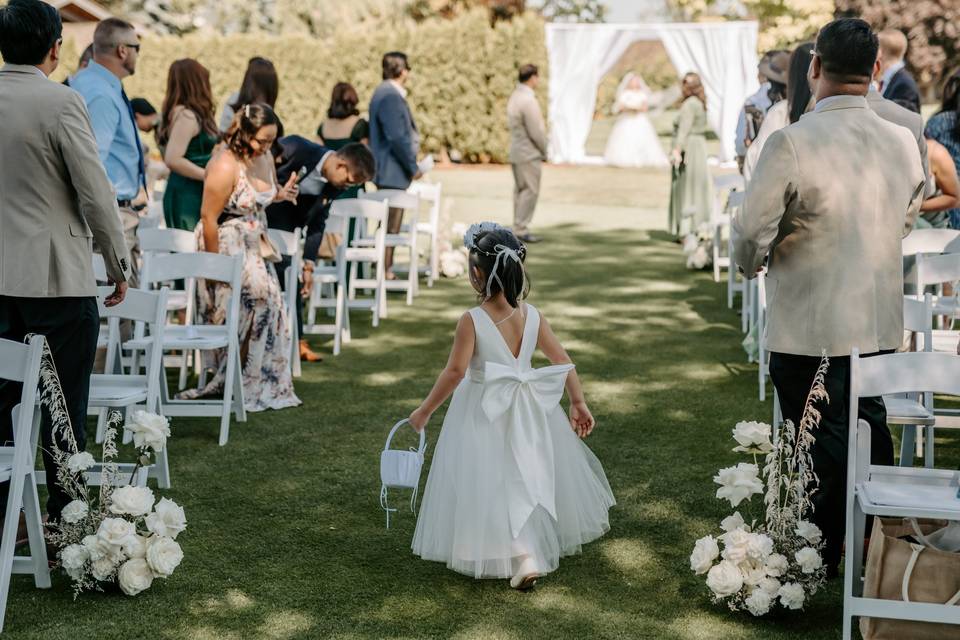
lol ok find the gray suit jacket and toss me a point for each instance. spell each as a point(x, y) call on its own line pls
point(54, 194)
point(528, 136)
point(830, 201)
point(893, 112)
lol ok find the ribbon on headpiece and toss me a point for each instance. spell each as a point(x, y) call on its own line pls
point(502, 251)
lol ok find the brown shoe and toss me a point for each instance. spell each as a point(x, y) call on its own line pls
point(307, 354)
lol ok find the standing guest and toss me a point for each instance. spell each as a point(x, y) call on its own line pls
point(690, 188)
point(344, 125)
point(187, 136)
point(260, 84)
point(394, 138)
point(528, 150)
point(54, 197)
point(784, 112)
point(944, 127)
point(82, 63)
point(896, 83)
point(240, 183)
point(754, 109)
point(145, 115)
point(116, 49)
point(831, 199)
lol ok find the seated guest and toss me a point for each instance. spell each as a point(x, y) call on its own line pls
point(896, 83)
point(329, 174)
point(944, 127)
point(343, 125)
point(946, 192)
point(240, 183)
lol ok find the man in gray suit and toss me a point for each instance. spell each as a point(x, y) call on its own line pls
point(54, 200)
point(831, 199)
point(528, 150)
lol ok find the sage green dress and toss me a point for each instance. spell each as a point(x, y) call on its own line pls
point(690, 188)
point(183, 196)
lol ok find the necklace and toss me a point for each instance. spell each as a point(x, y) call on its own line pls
point(512, 313)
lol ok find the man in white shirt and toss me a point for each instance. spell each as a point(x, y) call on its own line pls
point(759, 101)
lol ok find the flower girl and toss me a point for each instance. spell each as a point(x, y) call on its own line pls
point(511, 488)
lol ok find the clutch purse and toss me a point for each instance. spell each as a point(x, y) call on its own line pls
point(268, 250)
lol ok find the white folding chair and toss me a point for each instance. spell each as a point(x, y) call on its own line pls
point(723, 185)
point(21, 363)
point(763, 356)
point(914, 412)
point(201, 337)
point(880, 491)
point(154, 217)
point(430, 192)
point(290, 244)
point(410, 203)
point(333, 278)
point(734, 285)
point(937, 270)
point(126, 391)
point(368, 252)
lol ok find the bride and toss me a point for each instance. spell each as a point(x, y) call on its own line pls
point(633, 141)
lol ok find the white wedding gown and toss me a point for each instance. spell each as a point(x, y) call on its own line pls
point(634, 142)
point(510, 481)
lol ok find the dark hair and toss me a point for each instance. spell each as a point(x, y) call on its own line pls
point(29, 29)
point(142, 107)
point(247, 122)
point(527, 71)
point(847, 49)
point(777, 91)
point(951, 98)
point(188, 86)
point(394, 64)
point(343, 101)
point(360, 159)
point(692, 85)
point(260, 84)
point(511, 278)
point(798, 86)
point(85, 57)
point(106, 35)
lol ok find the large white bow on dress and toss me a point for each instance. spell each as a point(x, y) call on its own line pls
point(526, 399)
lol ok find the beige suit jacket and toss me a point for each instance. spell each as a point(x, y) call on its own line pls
point(528, 136)
point(830, 201)
point(54, 194)
point(893, 112)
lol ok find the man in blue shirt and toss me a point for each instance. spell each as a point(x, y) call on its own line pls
point(116, 48)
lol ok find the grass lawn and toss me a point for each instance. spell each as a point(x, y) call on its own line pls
point(286, 539)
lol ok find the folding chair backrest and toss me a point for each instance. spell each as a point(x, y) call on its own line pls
point(167, 241)
point(429, 191)
point(361, 208)
point(287, 242)
point(137, 305)
point(931, 241)
point(918, 318)
point(903, 373)
point(20, 362)
point(937, 269)
point(728, 181)
point(209, 266)
point(395, 198)
point(99, 268)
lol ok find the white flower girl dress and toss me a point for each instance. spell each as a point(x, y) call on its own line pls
point(511, 488)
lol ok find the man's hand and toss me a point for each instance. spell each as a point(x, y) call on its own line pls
point(417, 175)
point(119, 293)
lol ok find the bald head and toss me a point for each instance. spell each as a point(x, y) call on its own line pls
point(893, 45)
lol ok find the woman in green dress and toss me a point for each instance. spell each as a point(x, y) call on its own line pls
point(187, 135)
point(690, 188)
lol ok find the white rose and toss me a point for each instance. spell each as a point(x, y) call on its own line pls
point(735, 545)
point(738, 483)
point(705, 551)
point(753, 437)
point(75, 511)
point(771, 586)
point(133, 501)
point(809, 532)
point(809, 559)
point(102, 569)
point(149, 430)
point(97, 548)
point(80, 462)
point(759, 546)
point(725, 579)
point(73, 557)
point(135, 547)
point(75, 574)
point(167, 519)
point(776, 565)
point(735, 521)
point(116, 531)
point(163, 555)
point(792, 595)
point(753, 573)
point(134, 576)
point(758, 603)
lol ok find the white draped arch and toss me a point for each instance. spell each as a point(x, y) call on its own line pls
point(723, 53)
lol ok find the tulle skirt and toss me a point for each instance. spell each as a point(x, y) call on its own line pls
point(464, 520)
point(634, 142)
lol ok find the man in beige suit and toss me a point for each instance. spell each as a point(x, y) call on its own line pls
point(54, 200)
point(528, 150)
point(828, 205)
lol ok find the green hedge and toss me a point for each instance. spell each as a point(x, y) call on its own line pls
point(463, 74)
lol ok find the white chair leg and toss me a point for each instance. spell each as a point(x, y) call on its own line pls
point(908, 442)
point(434, 258)
point(928, 447)
point(161, 470)
point(413, 278)
point(101, 425)
point(9, 537)
point(338, 321)
point(228, 400)
point(38, 546)
point(352, 290)
point(184, 364)
point(731, 276)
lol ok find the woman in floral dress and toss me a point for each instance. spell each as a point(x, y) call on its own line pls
point(240, 182)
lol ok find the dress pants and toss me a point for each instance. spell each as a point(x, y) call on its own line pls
point(526, 190)
point(71, 326)
point(793, 375)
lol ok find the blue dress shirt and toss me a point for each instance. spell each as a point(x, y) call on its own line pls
point(114, 127)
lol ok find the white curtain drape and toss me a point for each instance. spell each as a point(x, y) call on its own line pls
point(723, 53)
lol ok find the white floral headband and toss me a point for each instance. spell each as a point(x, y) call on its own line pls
point(499, 253)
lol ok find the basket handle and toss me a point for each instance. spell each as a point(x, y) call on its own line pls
point(423, 437)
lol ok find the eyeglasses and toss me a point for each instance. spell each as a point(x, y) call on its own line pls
point(135, 47)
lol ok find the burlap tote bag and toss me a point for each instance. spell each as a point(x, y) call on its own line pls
point(899, 568)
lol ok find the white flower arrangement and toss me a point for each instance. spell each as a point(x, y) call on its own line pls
point(751, 567)
point(698, 248)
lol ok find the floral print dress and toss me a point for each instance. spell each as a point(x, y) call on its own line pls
point(264, 333)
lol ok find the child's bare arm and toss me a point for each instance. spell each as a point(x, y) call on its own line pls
point(452, 374)
point(580, 417)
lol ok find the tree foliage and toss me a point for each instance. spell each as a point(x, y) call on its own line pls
point(783, 23)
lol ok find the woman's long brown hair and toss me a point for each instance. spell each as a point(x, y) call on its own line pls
point(188, 86)
point(693, 86)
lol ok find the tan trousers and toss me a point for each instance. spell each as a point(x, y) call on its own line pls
point(526, 179)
